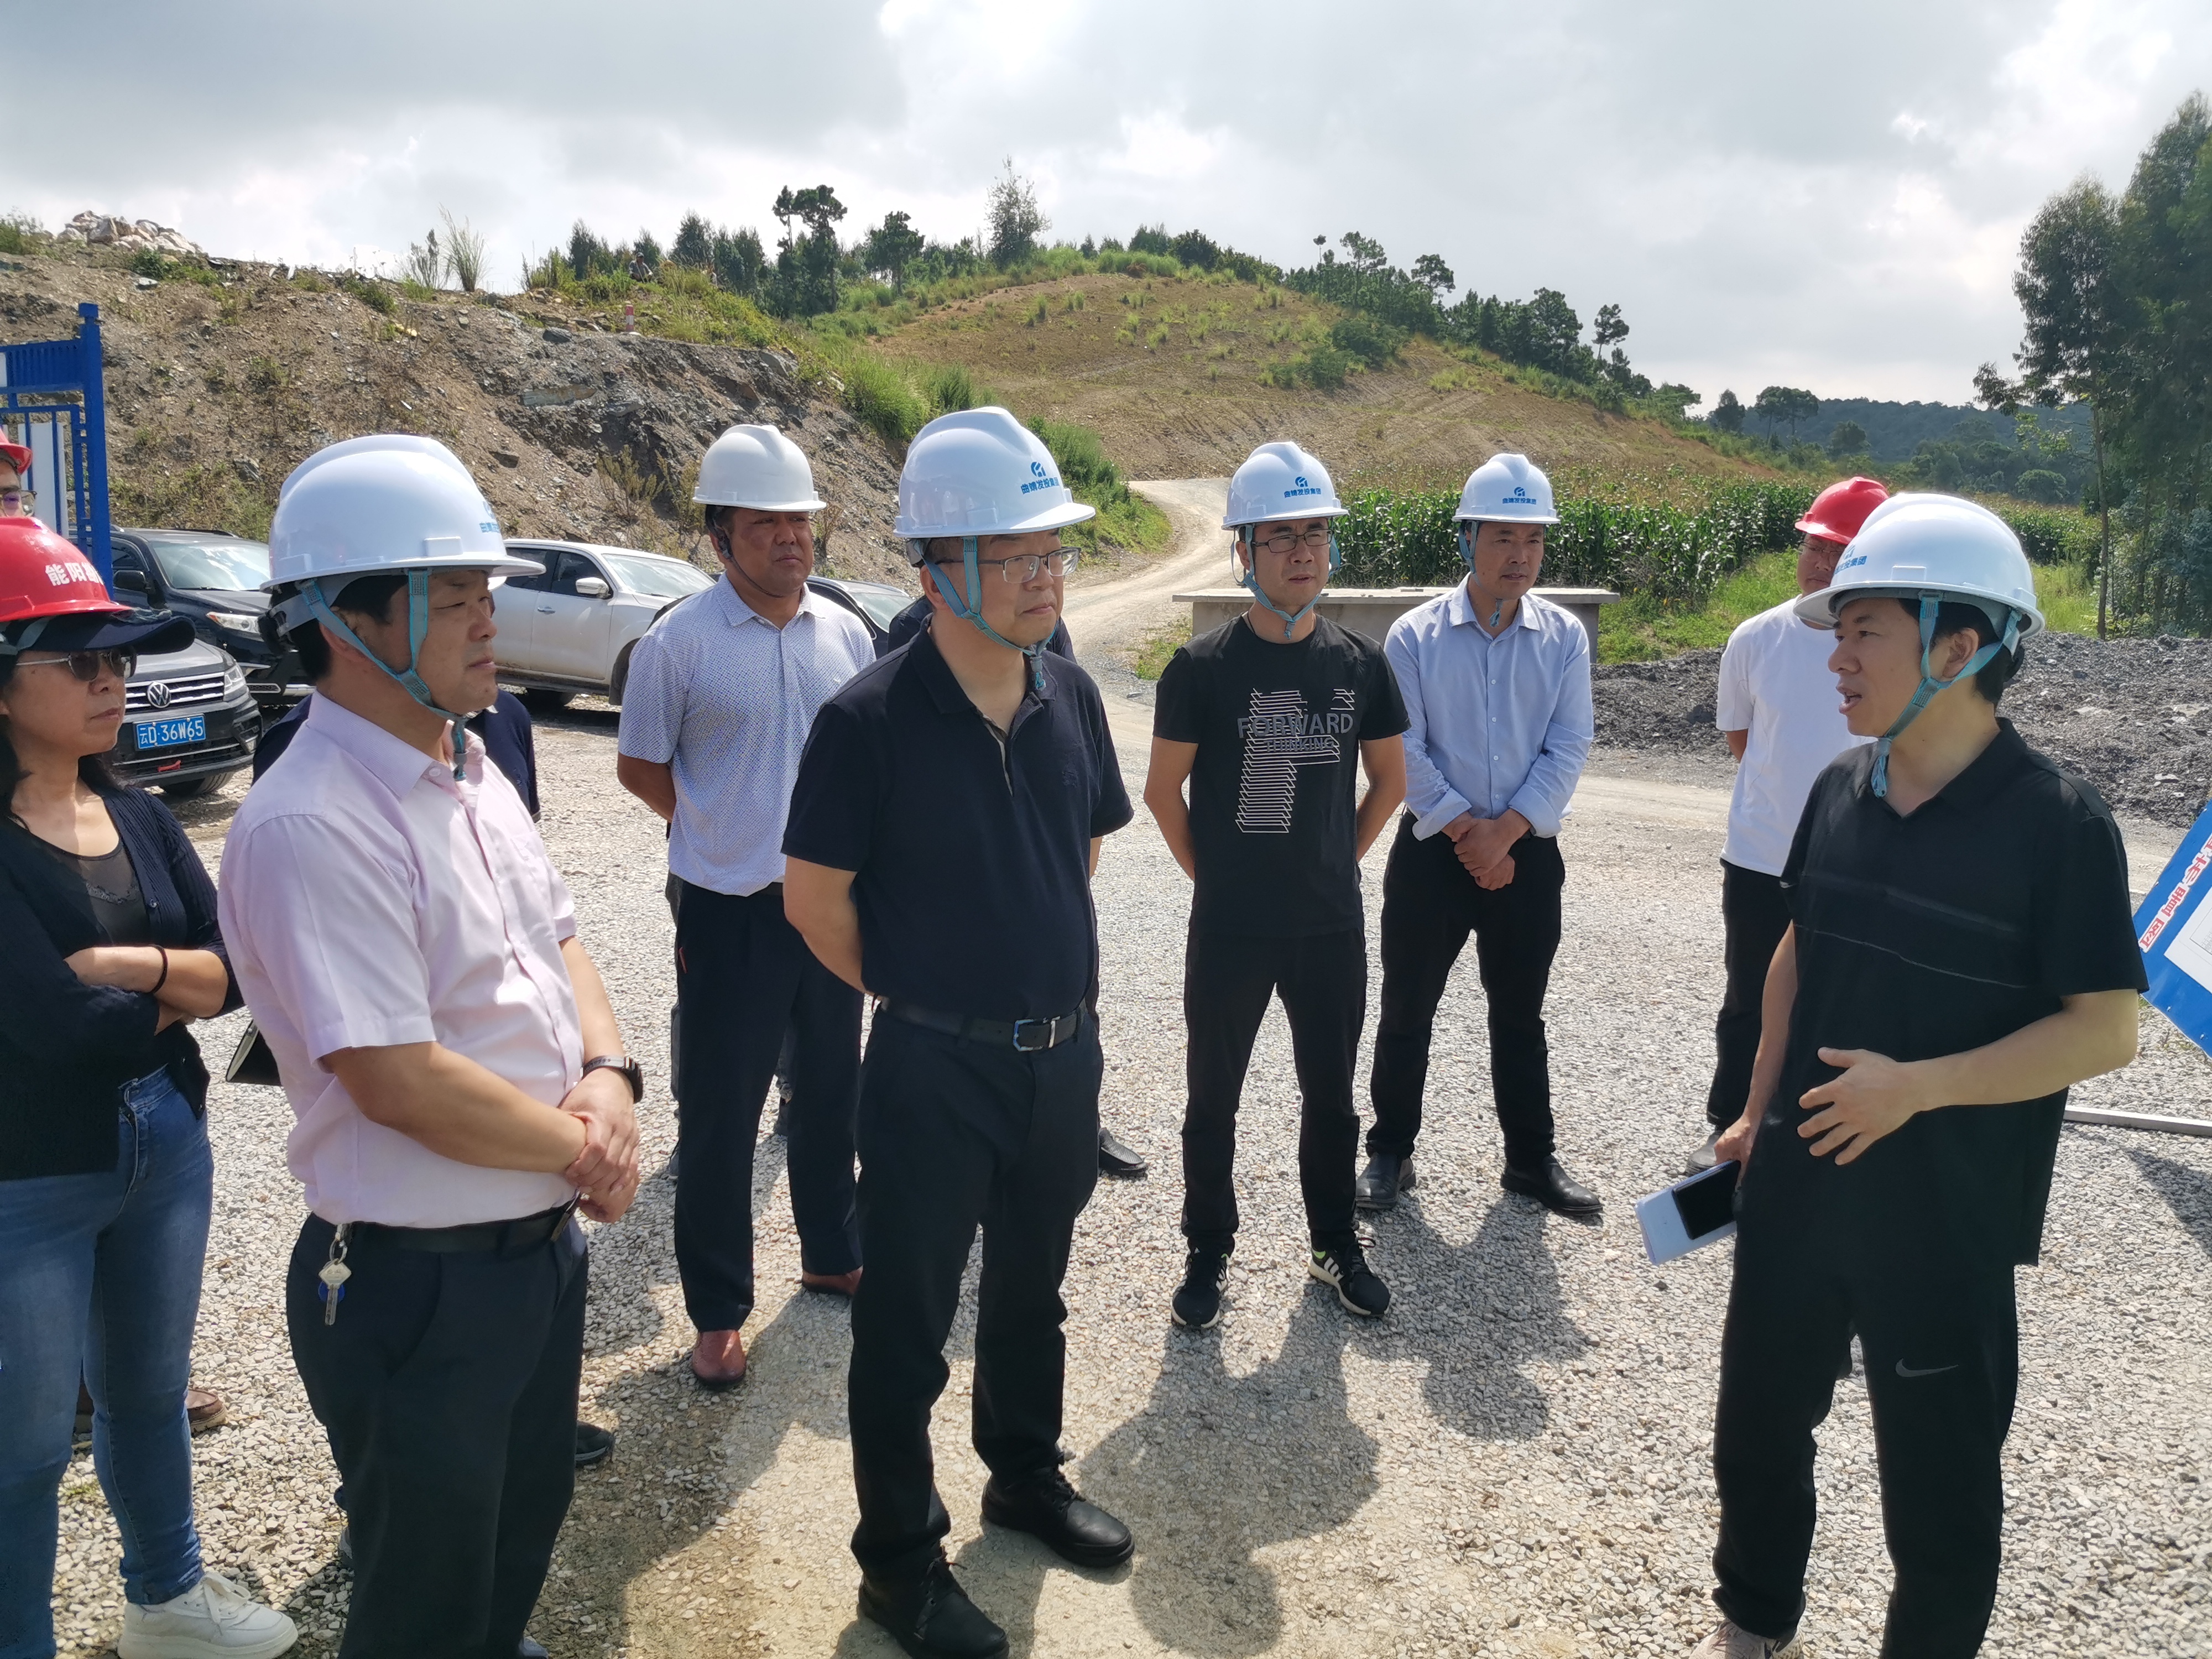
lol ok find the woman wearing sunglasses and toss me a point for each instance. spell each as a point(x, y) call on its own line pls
point(106, 1179)
point(15, 467)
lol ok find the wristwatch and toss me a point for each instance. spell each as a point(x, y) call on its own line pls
point(633, 1073)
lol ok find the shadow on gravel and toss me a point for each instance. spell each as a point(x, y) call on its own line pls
point(1214, 1469)
point(1479, 1313)
point(2187, 1192)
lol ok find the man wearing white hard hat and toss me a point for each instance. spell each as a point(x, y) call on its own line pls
point(1265, 717)
point(1960, 953)
point(721, 693)
point(1776, 706)
point(942, 833)
point(455, 1069)
point(1497, 684)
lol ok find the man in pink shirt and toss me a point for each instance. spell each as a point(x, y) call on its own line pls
point(450, 1054)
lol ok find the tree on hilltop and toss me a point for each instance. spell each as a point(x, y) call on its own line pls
point(1728, 414)
point(1785, 405)
point(891, 246)
point(1433, 274)
point(1016, 219)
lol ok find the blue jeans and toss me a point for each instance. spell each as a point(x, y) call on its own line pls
point(100, 1274)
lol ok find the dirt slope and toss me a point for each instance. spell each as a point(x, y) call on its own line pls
point(1170, 375)
point(215, 393)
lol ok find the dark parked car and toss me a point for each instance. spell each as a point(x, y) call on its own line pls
point(189, 721)
point(215, 578)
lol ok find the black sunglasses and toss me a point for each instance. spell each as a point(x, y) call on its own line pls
point(88, 666)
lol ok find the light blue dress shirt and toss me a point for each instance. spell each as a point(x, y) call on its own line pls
point(1496, 724)
point(725, 698)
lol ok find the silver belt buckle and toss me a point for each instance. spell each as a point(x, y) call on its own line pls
point(1021, 1047)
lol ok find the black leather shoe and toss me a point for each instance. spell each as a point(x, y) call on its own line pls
point(345, 1547)
point(1554, 1188)
point(932, 1617)
point(592, 1443)
point(1705, 1157)
point(1116, 1159)
point(1381, 1181)
point(1049, 1508)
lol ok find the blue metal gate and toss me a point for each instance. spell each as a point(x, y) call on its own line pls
point(52, 399)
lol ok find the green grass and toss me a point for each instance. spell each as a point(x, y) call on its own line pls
point(1641, 629)
point(1151, 658)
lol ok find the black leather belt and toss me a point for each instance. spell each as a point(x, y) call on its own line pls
point(524, 1233)
point(1030, 1036)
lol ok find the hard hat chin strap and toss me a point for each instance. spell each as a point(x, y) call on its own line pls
point(418, 625)
point(1247, 576)
point(1929, 685)
point(1468, 528)
point(970, 609)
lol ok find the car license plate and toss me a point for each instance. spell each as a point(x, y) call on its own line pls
point(167, 734)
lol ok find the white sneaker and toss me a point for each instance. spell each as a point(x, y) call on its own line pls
point(213, 1619)
point(1731, 1641)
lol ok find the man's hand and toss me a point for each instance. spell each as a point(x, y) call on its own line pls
point(1875, 1096)
point(1482, 843)
point(1499, 874)
point(1736, 1143)
point(605, 1172)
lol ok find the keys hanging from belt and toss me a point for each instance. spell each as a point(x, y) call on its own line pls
point(334, 1274)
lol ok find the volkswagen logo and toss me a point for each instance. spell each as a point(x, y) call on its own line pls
point(157, 694)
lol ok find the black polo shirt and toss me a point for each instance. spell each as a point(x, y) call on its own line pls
point(972, 857)
point(1928, 935)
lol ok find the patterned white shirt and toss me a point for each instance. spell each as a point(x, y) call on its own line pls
point(726, 699)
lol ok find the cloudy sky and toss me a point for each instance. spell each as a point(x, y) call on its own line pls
point(1827, 196)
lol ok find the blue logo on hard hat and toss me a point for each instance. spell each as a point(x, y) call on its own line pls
point(1300, 483)
point(1299, 486)
point(1518, 493)
point(488, 529)
point(1042, 482)
point(1036, 468)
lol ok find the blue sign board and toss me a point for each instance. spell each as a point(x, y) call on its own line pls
point(2174, 930)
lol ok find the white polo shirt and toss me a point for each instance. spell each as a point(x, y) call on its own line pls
point(725, 698)
point(369, 900)
point(1775, 684)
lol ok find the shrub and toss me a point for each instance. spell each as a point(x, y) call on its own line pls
point(1672, 552)
point(2040, 484)
point(16, 230)
point(1373, 343)
point(2053, 538)
point(952, 387)
point(880, 396)
point(370, 292)
point(266, 374)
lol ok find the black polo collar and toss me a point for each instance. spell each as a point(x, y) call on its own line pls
point(944, 690)
point(1986, 774)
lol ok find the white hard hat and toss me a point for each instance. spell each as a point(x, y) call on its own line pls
point(1280, 481)
point(981, 472)
point(406, 440)
point(1916, 543)
point(1509, 489)
point(756, 466)
point(391, 503)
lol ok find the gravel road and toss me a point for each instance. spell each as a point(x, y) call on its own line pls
point(1514, 1462)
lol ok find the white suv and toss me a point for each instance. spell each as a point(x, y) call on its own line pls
point(571, 630)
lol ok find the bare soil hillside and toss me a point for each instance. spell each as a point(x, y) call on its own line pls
point(1171, 373)
point(217, 389)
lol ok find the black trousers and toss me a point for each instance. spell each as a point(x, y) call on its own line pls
point(1227, 979)
point(447, 1386)
point(744, 975)
point(955, 1135)
point(1430, 905)
point(1942, 1363)
point(1756, 913)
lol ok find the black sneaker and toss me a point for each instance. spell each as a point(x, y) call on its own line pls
point(1343, 1269)
point(1197, 1305)
point(932, 1617)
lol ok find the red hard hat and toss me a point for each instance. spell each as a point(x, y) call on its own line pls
point(16, 455)
point(1837, 512)
point(42, 575)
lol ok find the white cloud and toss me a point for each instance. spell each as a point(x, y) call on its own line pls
point(1777, 194)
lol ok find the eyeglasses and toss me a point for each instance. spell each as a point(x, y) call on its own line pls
point(1023, 567)
point(1284, 541)
point(13, 499)
point(88, 666)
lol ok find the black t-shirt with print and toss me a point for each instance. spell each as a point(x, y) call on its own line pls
point(1272, 793)
point(1931, 934)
